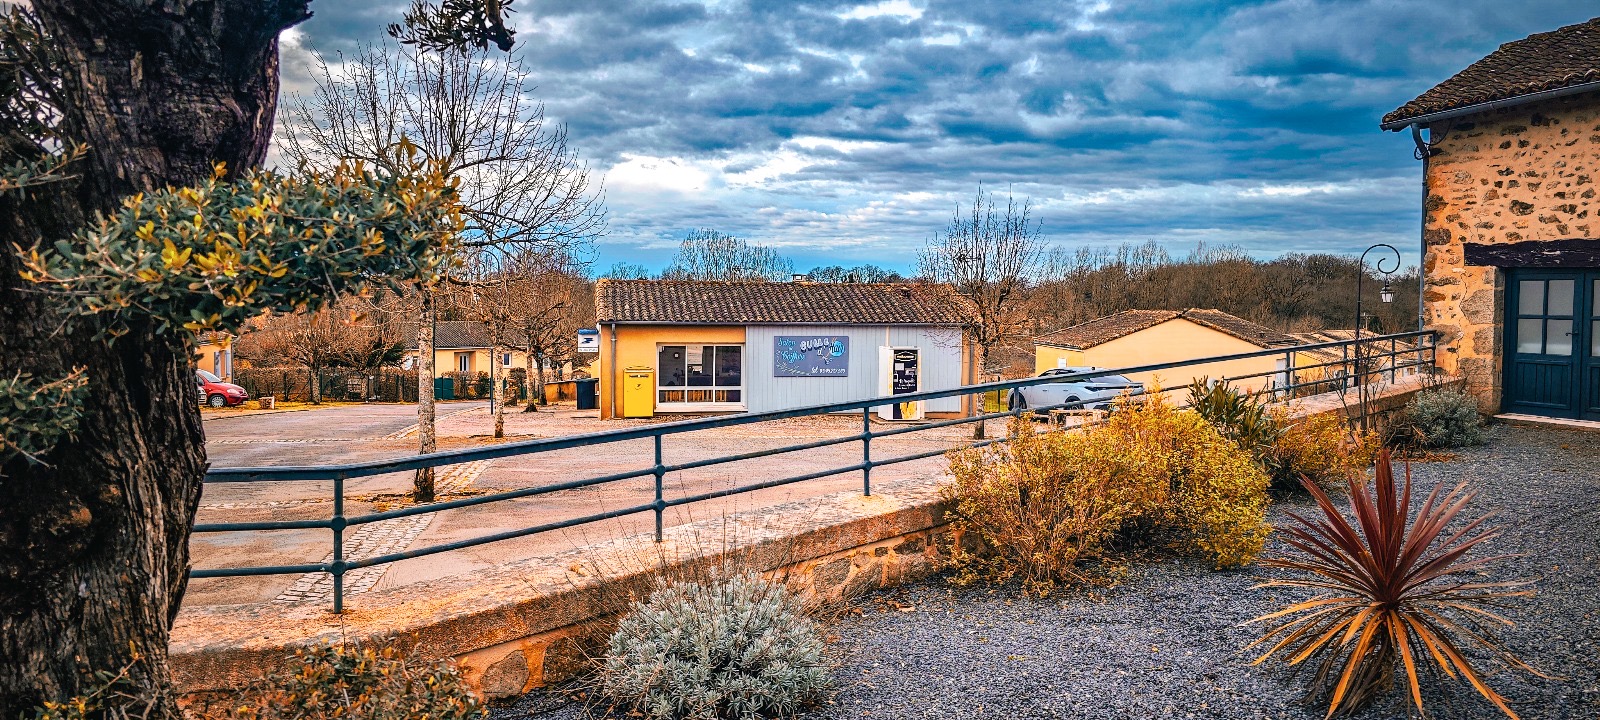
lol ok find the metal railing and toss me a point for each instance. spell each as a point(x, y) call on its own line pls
point(1383, 355)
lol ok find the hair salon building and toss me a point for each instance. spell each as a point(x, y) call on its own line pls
point(671, 346)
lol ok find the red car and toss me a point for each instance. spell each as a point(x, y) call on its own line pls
point(216, 393)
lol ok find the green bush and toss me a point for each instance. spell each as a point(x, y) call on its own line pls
point(1438, 418)
point(1047, 506)
point(736, 647)
point(352, 683)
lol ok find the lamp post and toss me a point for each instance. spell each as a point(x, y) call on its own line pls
point(1386, 295)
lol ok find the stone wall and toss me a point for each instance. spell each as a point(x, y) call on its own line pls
point(1519, 174)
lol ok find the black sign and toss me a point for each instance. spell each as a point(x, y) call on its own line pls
point(904, 379)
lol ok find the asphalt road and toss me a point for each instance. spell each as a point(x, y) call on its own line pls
point(348, 433)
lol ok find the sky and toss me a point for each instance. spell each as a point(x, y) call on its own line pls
point(848, 132)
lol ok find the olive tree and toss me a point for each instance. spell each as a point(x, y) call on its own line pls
point(132, 219)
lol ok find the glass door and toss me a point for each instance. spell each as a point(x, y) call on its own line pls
point(1543, 341)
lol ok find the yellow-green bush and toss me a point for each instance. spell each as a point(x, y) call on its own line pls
point(1047, 506)
point(1320, 448)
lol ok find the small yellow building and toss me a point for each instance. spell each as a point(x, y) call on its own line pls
point(1148, 337)
point(700, 346)
point(462, 346)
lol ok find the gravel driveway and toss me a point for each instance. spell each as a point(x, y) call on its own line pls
point(1166, 643)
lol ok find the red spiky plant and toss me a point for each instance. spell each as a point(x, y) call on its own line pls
point(1391, 589)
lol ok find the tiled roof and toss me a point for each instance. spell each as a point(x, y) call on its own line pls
point(452, 335)
point(741, 303)
point(1103, 330)
point(1544, 61)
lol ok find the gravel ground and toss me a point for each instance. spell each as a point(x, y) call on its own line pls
point(1167, 643)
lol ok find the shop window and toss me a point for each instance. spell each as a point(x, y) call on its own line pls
point(700, 374)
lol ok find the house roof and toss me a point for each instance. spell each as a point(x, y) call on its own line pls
point(701, 302)
point(1103, 330)
point(453, 335)
point(1567, 57)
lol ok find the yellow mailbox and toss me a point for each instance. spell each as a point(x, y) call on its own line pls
point(639, 392)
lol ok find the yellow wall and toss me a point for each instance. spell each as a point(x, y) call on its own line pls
point(636, 346)
point(1171, 341)
point(212, 357)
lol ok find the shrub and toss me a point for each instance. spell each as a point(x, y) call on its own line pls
point(353, 683)
point(1046, 505)
point(1391, 590)
point(1438, 418)
point(1320, 446)
point(737, 647)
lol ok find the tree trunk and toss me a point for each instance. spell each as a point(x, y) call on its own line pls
point(315, 388)
point(94, 545)
point(538, 380)
point(535, 393)
point(497, 395)
point(422, 484)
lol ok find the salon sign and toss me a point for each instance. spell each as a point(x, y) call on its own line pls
point(811, 356)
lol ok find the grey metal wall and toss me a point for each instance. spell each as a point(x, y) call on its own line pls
point(940, 359)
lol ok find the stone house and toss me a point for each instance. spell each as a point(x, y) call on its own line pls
point(1511, 245)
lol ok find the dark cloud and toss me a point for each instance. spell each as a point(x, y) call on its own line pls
point(846, 132)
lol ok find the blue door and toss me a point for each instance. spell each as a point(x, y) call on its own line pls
point(1552, 335)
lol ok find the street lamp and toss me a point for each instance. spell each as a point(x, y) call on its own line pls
point(1386, 295)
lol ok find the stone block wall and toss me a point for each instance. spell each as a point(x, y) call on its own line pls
point(1519, 174)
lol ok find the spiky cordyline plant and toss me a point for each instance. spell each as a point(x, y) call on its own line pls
point(1391, 589)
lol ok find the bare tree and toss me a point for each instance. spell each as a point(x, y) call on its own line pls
point(710, 255)
point(312, 340)
point(552, 304)
point(521, 183)
point(988, 255)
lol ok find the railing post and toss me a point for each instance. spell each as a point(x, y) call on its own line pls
point(661, 476)
point(866, 451)
point(338, 523)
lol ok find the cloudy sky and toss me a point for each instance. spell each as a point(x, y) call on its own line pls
point(847, 132)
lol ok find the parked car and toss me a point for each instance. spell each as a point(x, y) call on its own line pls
point(216, 393)
point(1095, 393)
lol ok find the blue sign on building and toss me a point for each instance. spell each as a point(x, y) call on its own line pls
point(811, 356)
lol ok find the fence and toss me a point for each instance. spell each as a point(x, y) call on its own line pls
point(1375, 359)
point(294, 383)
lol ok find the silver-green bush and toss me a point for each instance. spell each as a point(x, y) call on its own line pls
point(1439, 418)
point(736, 647)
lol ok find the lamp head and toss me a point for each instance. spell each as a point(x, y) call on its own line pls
point(1386, 294)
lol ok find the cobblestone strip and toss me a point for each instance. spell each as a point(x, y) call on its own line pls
point(273, 441)
point(411, 429)
point(379, 538)
point(264, 505)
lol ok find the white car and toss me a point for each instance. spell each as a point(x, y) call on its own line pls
point(1096, 393)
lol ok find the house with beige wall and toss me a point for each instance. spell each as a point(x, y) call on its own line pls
point(669, 346)
point(462, 346)
point(1149, 337)
point(1510, 150)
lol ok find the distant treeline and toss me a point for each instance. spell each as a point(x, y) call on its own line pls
point(1295, 292)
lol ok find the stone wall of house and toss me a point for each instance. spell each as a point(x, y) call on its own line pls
point(1519, 174)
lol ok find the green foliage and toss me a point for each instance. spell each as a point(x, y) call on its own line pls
point(1394, 591)
point(352, 683)
point(1239, 416)
point(213, 256)
point(738, 647)
point(36, 415)
point(1045, 506)
point(456, 25)
point(1439, 418)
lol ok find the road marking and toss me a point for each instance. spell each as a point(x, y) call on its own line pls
point(380, 538)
